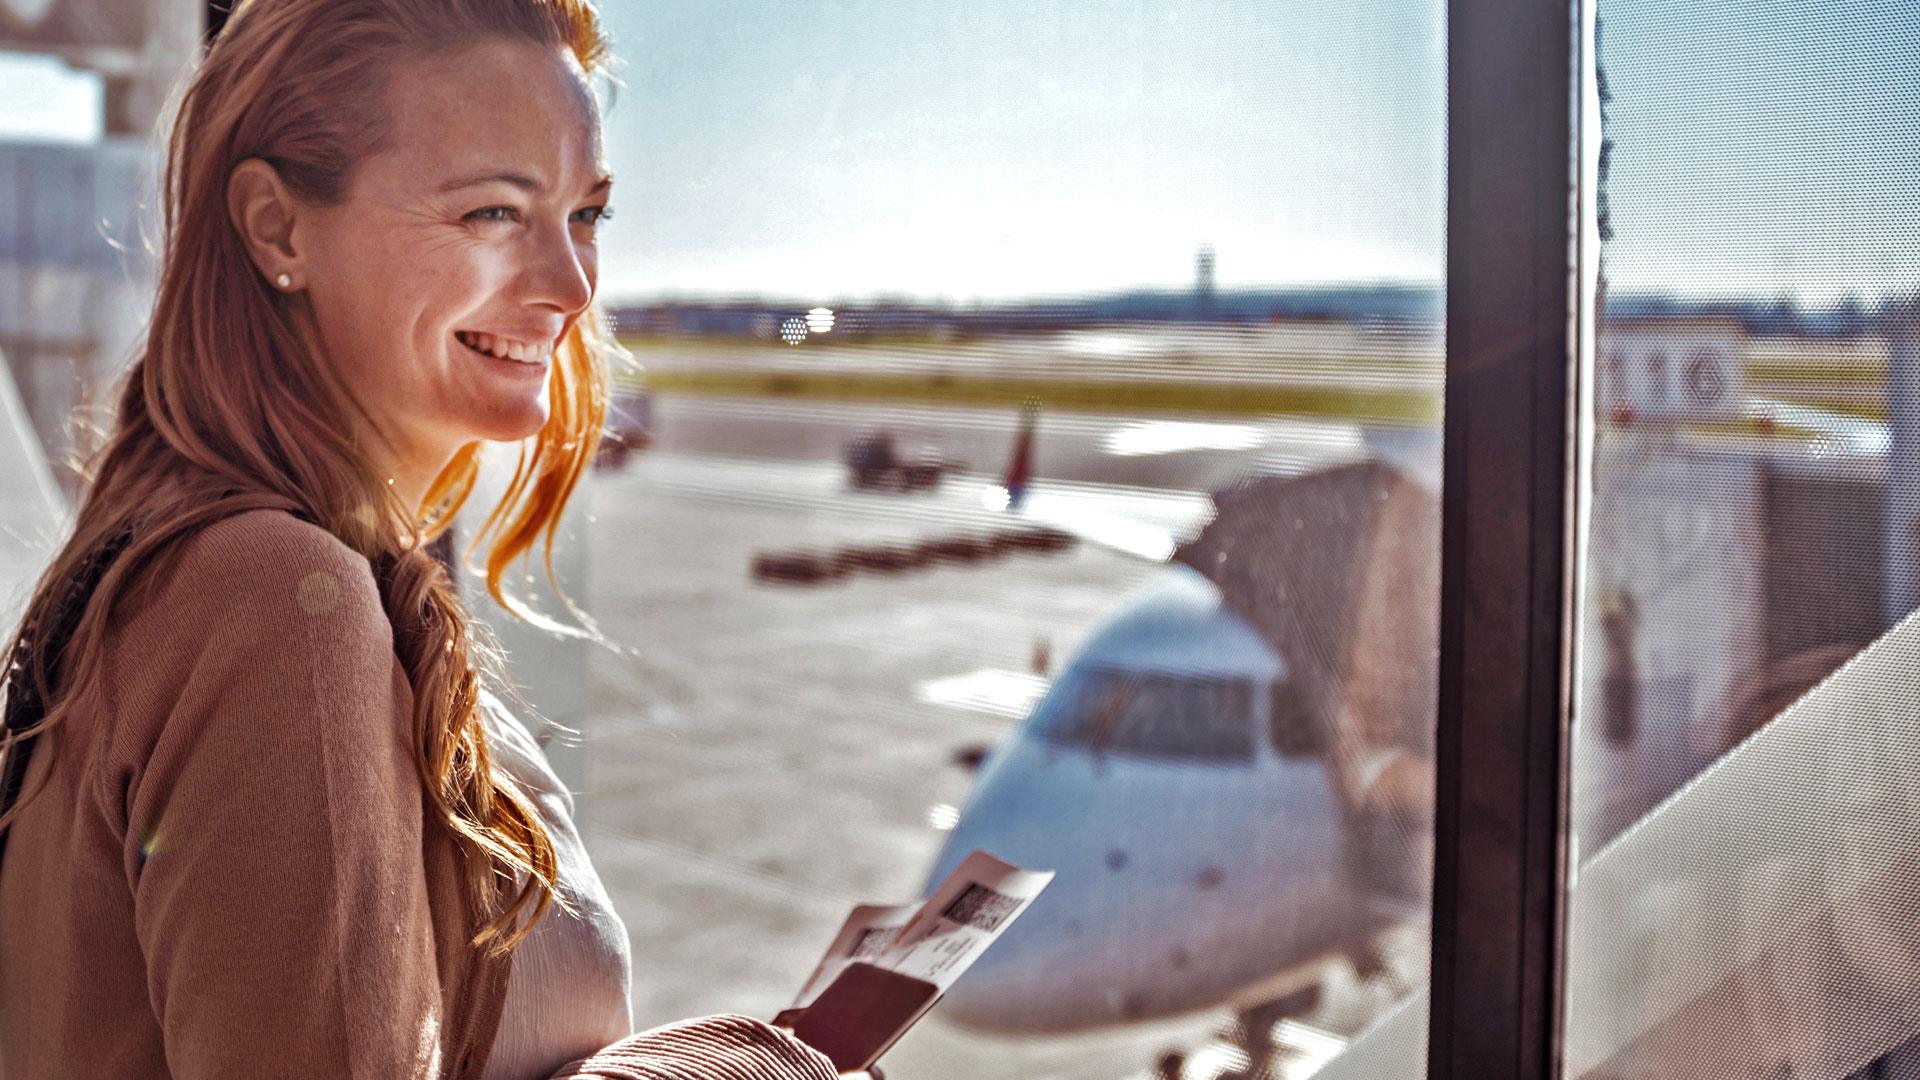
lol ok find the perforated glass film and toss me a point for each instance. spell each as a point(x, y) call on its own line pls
point(1745, 760)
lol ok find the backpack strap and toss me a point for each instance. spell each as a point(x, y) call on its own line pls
point(24, 706)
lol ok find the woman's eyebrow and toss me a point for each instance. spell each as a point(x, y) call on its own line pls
point(524, 183)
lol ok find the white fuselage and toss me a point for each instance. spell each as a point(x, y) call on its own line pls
point(1195, 861)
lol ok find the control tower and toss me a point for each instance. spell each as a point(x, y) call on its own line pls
point(1203, 295)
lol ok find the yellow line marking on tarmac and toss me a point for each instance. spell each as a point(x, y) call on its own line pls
point(1792, 384)
point(1253, 399)
point(1133, 396)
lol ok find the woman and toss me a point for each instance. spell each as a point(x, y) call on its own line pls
point(274, 826)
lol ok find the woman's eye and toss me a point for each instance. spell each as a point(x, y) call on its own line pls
point(600, 213)
point(487, 213)
point(508, 213)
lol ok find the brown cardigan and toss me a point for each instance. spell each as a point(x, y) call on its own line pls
point(230, 871)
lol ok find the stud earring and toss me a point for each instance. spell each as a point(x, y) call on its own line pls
point(286, 281)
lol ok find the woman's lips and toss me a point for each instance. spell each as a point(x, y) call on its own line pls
point(529, 344)
point(531, 365)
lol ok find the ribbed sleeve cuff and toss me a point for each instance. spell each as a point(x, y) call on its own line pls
point(714, 1048)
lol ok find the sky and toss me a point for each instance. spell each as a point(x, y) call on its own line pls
point(1013, 147)
point(813, 147)
point(1765, 147)
point(836, 149)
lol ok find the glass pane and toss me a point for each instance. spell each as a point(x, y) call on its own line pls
point(1745, 763)
point(84, 82)
point(1037, 450)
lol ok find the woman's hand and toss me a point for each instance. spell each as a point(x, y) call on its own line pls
point(867, 1074)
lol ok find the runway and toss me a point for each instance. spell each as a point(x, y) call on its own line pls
point(1181, 453)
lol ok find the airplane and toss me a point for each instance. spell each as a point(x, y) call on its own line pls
point(1216, 839)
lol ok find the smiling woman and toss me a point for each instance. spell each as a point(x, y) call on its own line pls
point(465, 245)
point(290, 829)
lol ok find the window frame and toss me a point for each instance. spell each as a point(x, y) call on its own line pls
point(1510, 500)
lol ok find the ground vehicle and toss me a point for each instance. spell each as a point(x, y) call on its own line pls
point(875, 462)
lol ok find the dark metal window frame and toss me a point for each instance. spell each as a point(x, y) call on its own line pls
point(1506, 594)
point(1507, 510)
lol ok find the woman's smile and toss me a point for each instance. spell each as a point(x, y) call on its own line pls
point(519, 358)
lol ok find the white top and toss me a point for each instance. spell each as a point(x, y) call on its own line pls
point(568, 994)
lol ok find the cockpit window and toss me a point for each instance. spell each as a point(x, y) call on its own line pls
point(1156, 715)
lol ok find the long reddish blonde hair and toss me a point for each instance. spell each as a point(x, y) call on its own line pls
point(228, 407)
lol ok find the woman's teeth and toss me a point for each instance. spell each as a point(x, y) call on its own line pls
point(501, 347)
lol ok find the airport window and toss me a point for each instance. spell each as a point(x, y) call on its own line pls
point(1021, 379)
point(1009, 379)
point(1744, 758)
point(1028, 393)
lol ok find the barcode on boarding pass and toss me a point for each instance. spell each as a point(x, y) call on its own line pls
point(981, 908)
point(872, 942)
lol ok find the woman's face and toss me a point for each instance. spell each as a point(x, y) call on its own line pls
point(475, 228)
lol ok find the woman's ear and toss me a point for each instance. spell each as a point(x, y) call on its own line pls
point(264, 212)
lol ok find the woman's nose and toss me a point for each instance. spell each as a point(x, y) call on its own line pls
point(561, 274)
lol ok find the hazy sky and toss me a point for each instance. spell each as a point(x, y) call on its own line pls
point(1001, 147)
point(815, 147)
point(1764, 145)
point(826, 148)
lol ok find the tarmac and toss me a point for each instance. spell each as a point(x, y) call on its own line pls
point(771, 754)
point(761, 756)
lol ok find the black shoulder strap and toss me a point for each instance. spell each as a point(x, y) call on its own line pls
point(24, 707)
